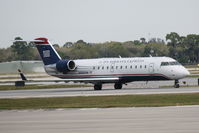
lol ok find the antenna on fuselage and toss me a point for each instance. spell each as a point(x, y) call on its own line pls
point(150, 56)
point(120, 56)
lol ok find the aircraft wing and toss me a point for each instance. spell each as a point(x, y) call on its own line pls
point(81, 80)
point(89, 80)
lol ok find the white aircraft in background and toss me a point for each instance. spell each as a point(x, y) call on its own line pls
point(109, 70)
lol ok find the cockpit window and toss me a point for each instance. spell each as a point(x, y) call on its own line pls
point(174, 63)
point(170, 63)
point(164, 63)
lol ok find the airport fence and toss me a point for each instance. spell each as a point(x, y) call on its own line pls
point(25, 66)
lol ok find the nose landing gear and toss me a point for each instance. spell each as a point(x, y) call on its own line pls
point(176, 84)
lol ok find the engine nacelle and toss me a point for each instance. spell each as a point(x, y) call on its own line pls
point(65, 65)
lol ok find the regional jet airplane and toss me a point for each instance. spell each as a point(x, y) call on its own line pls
point(108, 70)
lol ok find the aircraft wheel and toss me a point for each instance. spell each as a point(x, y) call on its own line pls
point(176, 84)
point(98, 87)
point(118, 86)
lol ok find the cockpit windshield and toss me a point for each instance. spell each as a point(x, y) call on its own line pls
point(170, 63)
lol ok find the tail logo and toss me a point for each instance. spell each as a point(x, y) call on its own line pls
point(46, 53)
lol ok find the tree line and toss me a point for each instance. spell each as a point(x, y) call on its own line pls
point(185, 49)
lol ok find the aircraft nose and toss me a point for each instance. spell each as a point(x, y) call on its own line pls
point(180, 73)
point(186, 73)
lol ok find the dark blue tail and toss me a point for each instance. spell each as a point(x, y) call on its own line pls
point(47, 52)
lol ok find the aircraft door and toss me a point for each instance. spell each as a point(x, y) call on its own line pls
point(151, 68)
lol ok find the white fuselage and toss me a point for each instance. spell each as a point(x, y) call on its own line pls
point(126, 69)
point(109, 70)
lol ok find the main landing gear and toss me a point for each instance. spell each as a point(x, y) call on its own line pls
point(176, 84)
point(98, 86)
point(118, 86)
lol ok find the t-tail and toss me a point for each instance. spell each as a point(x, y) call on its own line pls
point(51, 59)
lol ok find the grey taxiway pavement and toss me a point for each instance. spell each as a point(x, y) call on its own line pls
point(68, 92)
point(183, 119)
point(152, 87)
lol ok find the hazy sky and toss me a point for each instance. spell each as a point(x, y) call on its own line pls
point(96, 20)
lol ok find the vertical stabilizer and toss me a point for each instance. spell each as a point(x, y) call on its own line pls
point(47, 52)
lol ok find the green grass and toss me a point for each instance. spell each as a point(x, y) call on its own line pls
point(102, 101)
point(191, 66)
point(27, 87)
point(194, 76)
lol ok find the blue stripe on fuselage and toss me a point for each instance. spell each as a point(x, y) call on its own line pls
point(123, 79)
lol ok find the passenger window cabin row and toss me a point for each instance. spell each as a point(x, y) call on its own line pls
point(131, 66)
point(119, 67)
